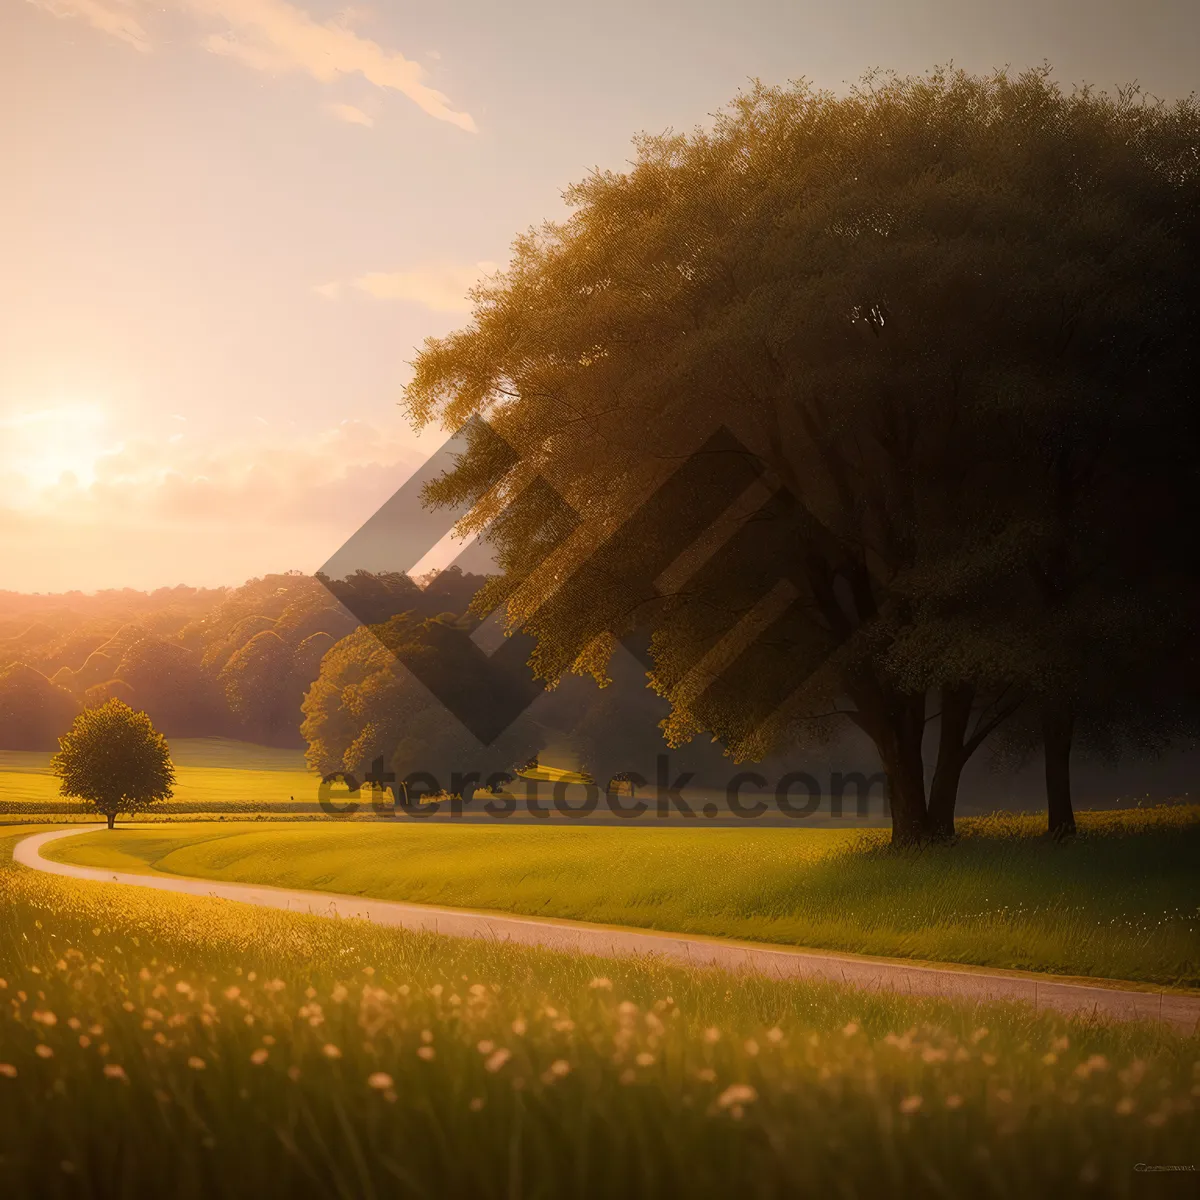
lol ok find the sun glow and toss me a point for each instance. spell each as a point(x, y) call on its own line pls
point(56, 445)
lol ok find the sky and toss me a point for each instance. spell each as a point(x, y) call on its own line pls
point(226, 226)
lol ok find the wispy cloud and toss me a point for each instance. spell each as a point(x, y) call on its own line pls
point(276, 36)
point(113, 17)
point(442, 287)
point(351, 115)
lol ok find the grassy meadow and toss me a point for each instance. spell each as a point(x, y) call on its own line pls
point(1121, 901)
point(213, 775)
point(179, 1046)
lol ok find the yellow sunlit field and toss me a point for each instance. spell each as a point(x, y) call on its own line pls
point(214, 775)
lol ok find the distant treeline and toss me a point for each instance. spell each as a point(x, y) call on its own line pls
point(282, 661)
point(224, 662)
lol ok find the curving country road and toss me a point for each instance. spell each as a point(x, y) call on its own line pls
point(1181, 1011)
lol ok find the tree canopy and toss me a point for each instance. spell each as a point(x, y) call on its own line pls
point(928, 316)
point(113, 758)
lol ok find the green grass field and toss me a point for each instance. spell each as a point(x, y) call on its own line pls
point(1121, 901)
point(185, 1047)
point(213, 775)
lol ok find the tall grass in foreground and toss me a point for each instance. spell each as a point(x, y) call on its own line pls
point(171, 1046)
point(1121, 901)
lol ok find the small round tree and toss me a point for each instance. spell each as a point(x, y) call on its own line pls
point(114, 759)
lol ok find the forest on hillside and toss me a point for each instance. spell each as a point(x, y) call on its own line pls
point(224, 662)
point(281, 661)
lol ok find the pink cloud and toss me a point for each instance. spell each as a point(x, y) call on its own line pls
point(277, 37)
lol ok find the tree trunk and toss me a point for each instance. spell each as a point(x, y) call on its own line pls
point(1057, 729)
point(943, 794)
point(951, 758)
point(895, 722)
point(111, 818)
point(910, 820)
point(899, 747)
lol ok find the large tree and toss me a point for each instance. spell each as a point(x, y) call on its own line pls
point(113, 758)
point(854, 289)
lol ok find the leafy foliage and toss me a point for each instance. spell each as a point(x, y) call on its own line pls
point(114, 759)
point(916, 306)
